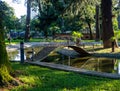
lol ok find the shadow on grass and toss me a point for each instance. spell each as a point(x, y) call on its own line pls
point(43, 79)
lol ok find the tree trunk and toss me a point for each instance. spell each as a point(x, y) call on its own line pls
point(91, 35)
point(107, 33)
point(97, 24)
point(27, 32)
point(4, 62)
point(45, 32)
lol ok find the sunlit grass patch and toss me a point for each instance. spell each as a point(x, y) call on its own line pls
point(37, 78)
point(100, 49)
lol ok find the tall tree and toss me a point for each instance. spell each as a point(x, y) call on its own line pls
point(4, 62)
point(97, 23)
point(107, 28)
point(27, 32)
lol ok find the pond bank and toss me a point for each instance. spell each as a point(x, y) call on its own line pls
point(108, 55)
point(76, 70)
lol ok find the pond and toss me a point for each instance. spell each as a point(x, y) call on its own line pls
point(108, 65)
point(15, 56)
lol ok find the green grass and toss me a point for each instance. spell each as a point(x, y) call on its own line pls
point(37, 78)
point(34, 40)
point(100, 49)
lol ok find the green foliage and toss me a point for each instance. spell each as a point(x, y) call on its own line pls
point(77, 34)
point(4, 75)
point(54, 28)
point(7, 16)
point(35, 24)
point(115, 24)
point(116, 35)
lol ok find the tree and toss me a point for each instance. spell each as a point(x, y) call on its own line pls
point(106, 8)
point(77, 37)
point(116, 37)
point(10, 19)
point(4, 62)
point(107, 29)
point(97, 17)
point(27, 32)
point(47, 15)
point(54, 29)
point(89, 18)
point(84, 10)
point(35, 24)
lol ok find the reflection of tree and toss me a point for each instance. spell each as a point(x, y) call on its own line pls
point(79, 62)
point(95, 64)
point(105, 65)
point(117, 66)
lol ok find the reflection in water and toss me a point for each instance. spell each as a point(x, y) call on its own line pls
point(69, 63)
point(17, 57)
point(90, 63)
point(117, 66)
point(97, 64)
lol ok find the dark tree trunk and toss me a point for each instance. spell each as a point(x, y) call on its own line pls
point(27, 32)
point(107, 33)
point(91, 34)
point(45, 32)
point(97, 24)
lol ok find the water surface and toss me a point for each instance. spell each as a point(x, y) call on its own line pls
point(107, 65)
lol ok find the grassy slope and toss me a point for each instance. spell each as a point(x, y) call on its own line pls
point(37, 78)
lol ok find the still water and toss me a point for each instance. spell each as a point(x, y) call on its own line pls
point(15, 56)
point(107, 65)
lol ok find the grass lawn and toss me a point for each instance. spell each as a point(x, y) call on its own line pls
point(35, 78)
point(100, 49)
point(34, 40)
